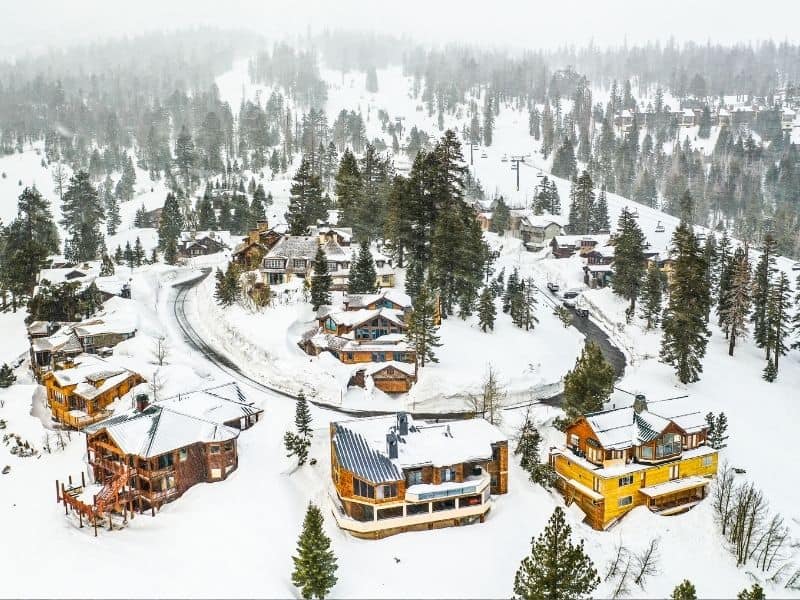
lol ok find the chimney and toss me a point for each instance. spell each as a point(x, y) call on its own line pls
point(263, 226)
point(402, 423)
point(639, 403)
point(391, 445)
point(253, 237)
point(142, 402)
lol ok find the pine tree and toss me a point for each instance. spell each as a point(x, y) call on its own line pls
point(363, 277)
point(500, 217)
point(206, 218)
point(302, 417)
point(321, 281)
point(118, 256)
point(421, 331)
point(564, 163)
point(171, 223)
point(556, 569)
point(629, 263)
point(298, 444)
point(523, 305)
point(683, 344)
point(7, 377)
point(107, 266)
point(488, 120)
point(487, 311)
point(599, 217)
point(737, 299)
point(82, 212)
point(528, 450)
point(765, 269)
point(138, 252)
point(651, 296)
point(184, 153)
point(314, 563)
point(228, 288)
point(778, 322)
point(512, 287)
point(796, 319)
point(170, 252)
point(589, 384)
point(770, 372)
point(754, 593)
point(257, 211)
point(306, 205)
point(684, 591)
point(113, 219)
point(140, 220)
point(128, 255)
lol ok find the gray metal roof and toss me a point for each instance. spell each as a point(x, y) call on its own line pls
point(356, 455)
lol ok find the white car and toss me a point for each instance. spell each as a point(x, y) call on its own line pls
point(570, 298)
point(796, 266)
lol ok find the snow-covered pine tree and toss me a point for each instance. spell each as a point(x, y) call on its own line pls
point(600, 222)
point(228, 288)
point(684, 591)
point(170, 252)
point(523, 305)
point(314, 563)
point(306, 206)
point(778, 319)
point(82, 212)
point(7, 377)
point(756, 592)
point(629, 263)
point(500, 217)
point(651, 296)
point(762, 280)
point(321, 281)
point(796, 319)
point(556, 569)
point(737, 300)
point(421, 332)
point(770, 372)
point(363, 278)
point(683, 344)
point(589, 384)
point(171, 223)
point(487, 310)
point(512, 286)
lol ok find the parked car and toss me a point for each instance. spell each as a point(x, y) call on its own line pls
point(796, 266)
point(552, 286)
point(570, 298)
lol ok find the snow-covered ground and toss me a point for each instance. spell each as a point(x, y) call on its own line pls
point(235, 538)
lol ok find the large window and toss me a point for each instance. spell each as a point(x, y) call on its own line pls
point(668, 444)
point(363, 489)
point(298, 263)
point(388, 490)
point(274, 263)
point(708, 461)
point(448, 474)
point(625, 501)
point(414, 477)
point(646, 452)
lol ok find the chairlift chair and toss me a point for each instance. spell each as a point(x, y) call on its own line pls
point(659, 228)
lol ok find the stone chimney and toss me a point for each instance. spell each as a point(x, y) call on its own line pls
point(142, 402)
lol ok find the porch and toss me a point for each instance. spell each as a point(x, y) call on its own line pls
point(675, 496)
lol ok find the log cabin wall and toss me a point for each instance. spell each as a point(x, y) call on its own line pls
point(190, 467)
point(498, 468)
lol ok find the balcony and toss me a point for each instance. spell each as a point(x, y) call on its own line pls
point(424, 492)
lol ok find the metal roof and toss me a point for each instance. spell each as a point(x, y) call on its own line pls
point(356, 455)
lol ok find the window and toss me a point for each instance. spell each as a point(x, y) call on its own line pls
point(298, 263)
point(274, 263)
point(363, 489)
point(574, 440)
point(674, 471)
point(216, 473)
point(387, 491)
point(625, 501)
point(183, 454)
point(349, 355)
point(330, 324)
point(448, 474)
point(708, 461)
point(214, 449)
point(596, 484)
point(646, 452)
point(627, 480)
point(414, 477)
point(378, 357)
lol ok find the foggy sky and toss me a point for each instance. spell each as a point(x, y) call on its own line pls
point(35, 24)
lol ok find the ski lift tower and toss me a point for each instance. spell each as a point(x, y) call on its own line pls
point(515, 160)
point(399, 121)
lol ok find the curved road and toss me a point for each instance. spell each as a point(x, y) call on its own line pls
point(590, 330)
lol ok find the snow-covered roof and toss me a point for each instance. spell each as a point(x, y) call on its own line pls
point(294, 246)
point(575, 240)
point(376, 367)
point(675, 485)
point(158, 429)
point(220, 404)
point(88, 391)
point(356, 301)
point(624, 427)
point(88, 368)
point(361, 445)
point(346, 233)
point(353, 318)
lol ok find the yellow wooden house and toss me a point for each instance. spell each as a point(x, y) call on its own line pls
point(78, 396)
point(655, 456)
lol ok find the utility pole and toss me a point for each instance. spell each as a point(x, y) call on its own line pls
point(515, 166)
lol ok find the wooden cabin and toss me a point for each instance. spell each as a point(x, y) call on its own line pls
point(393, 474)
point(390, 298)
point(615, 460)
point(201, 243)
point(392, 377)
point(364, 324)
point(78, 396)
point(255, 246)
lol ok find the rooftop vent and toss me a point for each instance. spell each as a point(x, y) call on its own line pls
point(402, 423)
point(639, 403)
point(142, 401)
point(391, 445)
